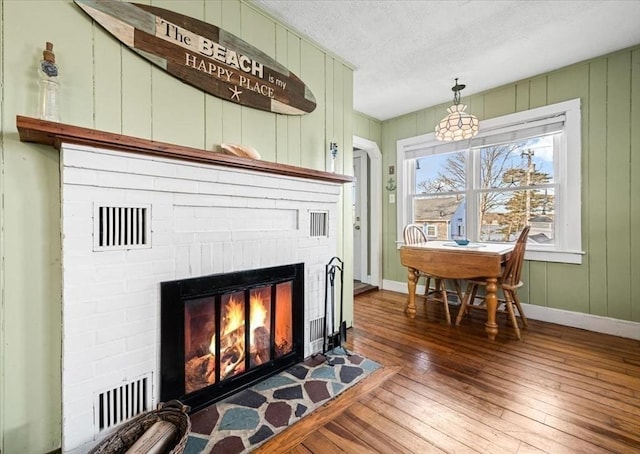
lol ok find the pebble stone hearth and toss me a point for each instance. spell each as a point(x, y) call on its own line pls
point(244, 421)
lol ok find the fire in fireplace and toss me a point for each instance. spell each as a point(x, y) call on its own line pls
point(224, 332)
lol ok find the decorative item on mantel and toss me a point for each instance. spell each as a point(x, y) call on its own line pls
point(48, 108)
point(244, 151)
point(333, 148)
point(458, 125)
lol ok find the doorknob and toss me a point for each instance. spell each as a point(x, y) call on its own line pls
point(357, 227)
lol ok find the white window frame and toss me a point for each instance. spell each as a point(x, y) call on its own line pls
point(567, 247)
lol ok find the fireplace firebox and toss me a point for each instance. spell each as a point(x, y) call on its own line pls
point(224, 332)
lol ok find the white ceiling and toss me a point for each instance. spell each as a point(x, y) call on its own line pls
point(406, 53)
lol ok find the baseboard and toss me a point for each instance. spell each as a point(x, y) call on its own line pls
point(596, 323)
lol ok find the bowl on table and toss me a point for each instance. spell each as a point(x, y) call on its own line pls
point(461, 241)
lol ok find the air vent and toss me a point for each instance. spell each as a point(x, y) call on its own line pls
point(318, 224)
point(316, 334)
point(121, 227)
point(122, 403)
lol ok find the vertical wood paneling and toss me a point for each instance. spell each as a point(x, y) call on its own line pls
point(171, 98)
point(538, 92)
point(313, 72)
point(136, 95)
point(569, 83)
point(475, 106)
point(593, 187)
point(294, 123)
point(406, 126)
point(537, 271)
point(367, 128)
point(618, 186)
point(231, 112)
point(634, 242)
point(360, 125)
point(522, 96)
point(499, 102)
point(282, 123)
point(213, 114)
point(344, 162)
point(259, 127)
point(31, 281)
point(107, 60)
point(332, 129)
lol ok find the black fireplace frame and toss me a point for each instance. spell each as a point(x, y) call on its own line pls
point(175, 294)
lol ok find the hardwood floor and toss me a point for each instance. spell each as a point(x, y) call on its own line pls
point(450, 389)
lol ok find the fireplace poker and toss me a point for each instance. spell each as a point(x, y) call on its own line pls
point(334, 338)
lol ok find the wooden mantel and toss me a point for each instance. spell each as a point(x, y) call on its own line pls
point(55, 134)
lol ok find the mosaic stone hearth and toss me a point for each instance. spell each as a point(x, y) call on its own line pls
point(244, 421)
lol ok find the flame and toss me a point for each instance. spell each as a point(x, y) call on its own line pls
point(258, 315)
point(258, 312)
point(235, 316)
point(212, 345)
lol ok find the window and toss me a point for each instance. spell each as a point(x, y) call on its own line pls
point(431, 231)
point(521, 169)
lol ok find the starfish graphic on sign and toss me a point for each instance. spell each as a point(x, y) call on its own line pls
point(236, 93)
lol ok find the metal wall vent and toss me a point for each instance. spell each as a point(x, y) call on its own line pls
point(122, 403)
point(318, 224)
point(122, 227)
point(316, 334)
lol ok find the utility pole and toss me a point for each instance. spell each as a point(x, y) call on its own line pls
point(531, 168)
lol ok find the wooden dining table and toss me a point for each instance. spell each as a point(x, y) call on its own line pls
point(447, 260)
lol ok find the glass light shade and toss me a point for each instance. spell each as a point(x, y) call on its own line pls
point(457, 125)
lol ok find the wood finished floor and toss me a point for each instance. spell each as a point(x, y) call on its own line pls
point(447, 389)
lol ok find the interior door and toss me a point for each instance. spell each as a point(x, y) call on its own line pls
point(360, 217)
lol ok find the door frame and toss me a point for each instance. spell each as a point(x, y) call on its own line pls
point(375, 207)
point(362, 196)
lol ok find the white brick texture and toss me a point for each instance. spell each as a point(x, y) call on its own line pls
point(205, 219)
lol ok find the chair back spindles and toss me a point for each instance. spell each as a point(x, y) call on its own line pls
point(414, 234)
point(513, 267)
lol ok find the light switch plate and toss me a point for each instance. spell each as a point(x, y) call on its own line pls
point(392, 198)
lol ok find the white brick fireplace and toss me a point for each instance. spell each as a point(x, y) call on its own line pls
point(131, 221)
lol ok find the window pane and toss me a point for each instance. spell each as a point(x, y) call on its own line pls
point(440, 173)
point(524, 163)
point(441, 216)
point(504, 214)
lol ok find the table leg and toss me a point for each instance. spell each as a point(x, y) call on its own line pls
point(491, 327)
point(412, 279)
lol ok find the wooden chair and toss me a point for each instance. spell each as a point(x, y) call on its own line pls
point(414, 234)
point(509, 283)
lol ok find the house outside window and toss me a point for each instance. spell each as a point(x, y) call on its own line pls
point(521, 169)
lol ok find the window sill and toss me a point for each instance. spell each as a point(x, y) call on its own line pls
point(572, 257)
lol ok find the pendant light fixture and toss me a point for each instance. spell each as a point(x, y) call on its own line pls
point(458, 124)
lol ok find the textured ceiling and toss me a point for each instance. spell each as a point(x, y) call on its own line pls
point(406, 54)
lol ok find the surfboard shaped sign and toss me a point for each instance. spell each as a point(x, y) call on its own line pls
point(204, 56)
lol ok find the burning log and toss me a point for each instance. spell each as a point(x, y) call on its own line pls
point(231, 351)
point(200, 371)
point(261, 345)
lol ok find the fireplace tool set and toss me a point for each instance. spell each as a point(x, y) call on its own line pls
point(334, 338)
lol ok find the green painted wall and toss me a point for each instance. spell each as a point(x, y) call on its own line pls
point(606, 284)
point(367, 127)
point(108, 87)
